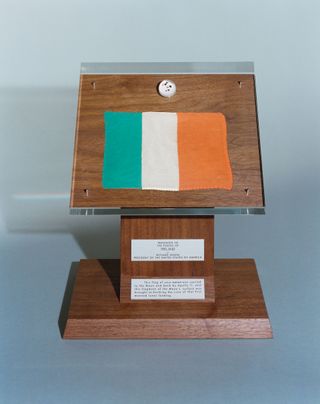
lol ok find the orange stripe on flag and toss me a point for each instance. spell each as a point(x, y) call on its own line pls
point(203, 151)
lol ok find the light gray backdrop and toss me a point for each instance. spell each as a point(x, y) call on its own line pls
point(42, 44)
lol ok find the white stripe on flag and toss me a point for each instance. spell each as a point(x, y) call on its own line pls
point(160, 167)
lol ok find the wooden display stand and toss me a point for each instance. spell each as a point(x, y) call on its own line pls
point(106, 301)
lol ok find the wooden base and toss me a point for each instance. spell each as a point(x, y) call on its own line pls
point(95, 310)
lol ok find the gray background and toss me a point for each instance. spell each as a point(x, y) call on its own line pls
point(42, 44)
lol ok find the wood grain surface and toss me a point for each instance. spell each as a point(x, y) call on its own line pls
point(96, 312)
point(188, 227)
point(231, 94)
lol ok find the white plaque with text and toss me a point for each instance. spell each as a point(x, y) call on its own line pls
point(167, 289)
point(167, 250)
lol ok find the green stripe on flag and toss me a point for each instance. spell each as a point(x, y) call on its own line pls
point(122, 150)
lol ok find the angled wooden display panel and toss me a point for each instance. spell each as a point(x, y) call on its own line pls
point(231, 94)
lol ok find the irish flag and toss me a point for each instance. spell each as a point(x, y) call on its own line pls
point(166, 151)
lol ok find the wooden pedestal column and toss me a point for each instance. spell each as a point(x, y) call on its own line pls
point(176, 229)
